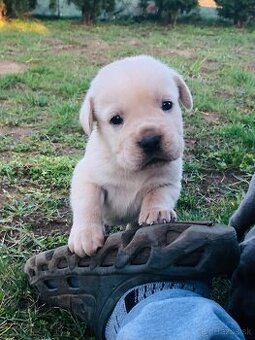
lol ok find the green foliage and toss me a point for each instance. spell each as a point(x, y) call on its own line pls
point(90, 9)
point(16, 8)
point(240, 11)
point(169, 9)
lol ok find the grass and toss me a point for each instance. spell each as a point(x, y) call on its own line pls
point(41, 139)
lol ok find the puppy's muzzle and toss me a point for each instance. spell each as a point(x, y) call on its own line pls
point(150, 144)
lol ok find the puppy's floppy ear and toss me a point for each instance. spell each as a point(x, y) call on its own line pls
point(185, 95)
point(87, 114)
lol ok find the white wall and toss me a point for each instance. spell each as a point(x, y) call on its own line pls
point(63, 10)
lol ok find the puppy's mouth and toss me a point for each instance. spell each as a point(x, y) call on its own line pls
point(155, 161)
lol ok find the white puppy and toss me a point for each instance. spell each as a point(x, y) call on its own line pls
point(132, 168)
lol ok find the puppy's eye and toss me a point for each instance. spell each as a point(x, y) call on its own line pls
point(166, 105)
point(116, 120)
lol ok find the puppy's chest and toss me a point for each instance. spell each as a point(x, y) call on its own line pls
point(122, 203)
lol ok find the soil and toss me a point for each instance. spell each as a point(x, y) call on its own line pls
point(10, 67)
point(16, 132)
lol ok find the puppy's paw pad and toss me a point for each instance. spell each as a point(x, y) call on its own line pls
point(155, 216)
point(148, 217)
point(86, 241)
point(166, 216)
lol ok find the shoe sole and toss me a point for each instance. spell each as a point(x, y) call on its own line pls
point(91, 286)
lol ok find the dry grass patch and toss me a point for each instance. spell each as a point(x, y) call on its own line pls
point(10, 67)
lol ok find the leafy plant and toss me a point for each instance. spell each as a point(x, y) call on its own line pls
point(169, 9)
point(90, 9)
point(240, 11)
point(16, 8)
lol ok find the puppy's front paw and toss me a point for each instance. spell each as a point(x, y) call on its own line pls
point(86, 240)
point(155, 215)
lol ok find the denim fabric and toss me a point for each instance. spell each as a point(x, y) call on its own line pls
point(178, 314)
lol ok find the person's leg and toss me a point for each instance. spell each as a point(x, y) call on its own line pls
point(244, 217)
point(91, 288)
point(242, 294)
point(176, 311)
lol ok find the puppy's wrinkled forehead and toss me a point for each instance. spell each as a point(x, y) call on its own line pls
point(135, 78)
point(133, 84)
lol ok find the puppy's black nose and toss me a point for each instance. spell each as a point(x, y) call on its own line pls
point(150, 143)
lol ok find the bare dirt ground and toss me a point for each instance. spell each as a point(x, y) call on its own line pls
point(9, 67)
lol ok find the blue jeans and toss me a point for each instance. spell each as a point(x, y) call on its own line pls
point(174, 314)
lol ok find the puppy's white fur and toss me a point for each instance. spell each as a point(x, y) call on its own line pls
point(116, 182)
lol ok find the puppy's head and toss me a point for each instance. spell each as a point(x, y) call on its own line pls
point(134, 103)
